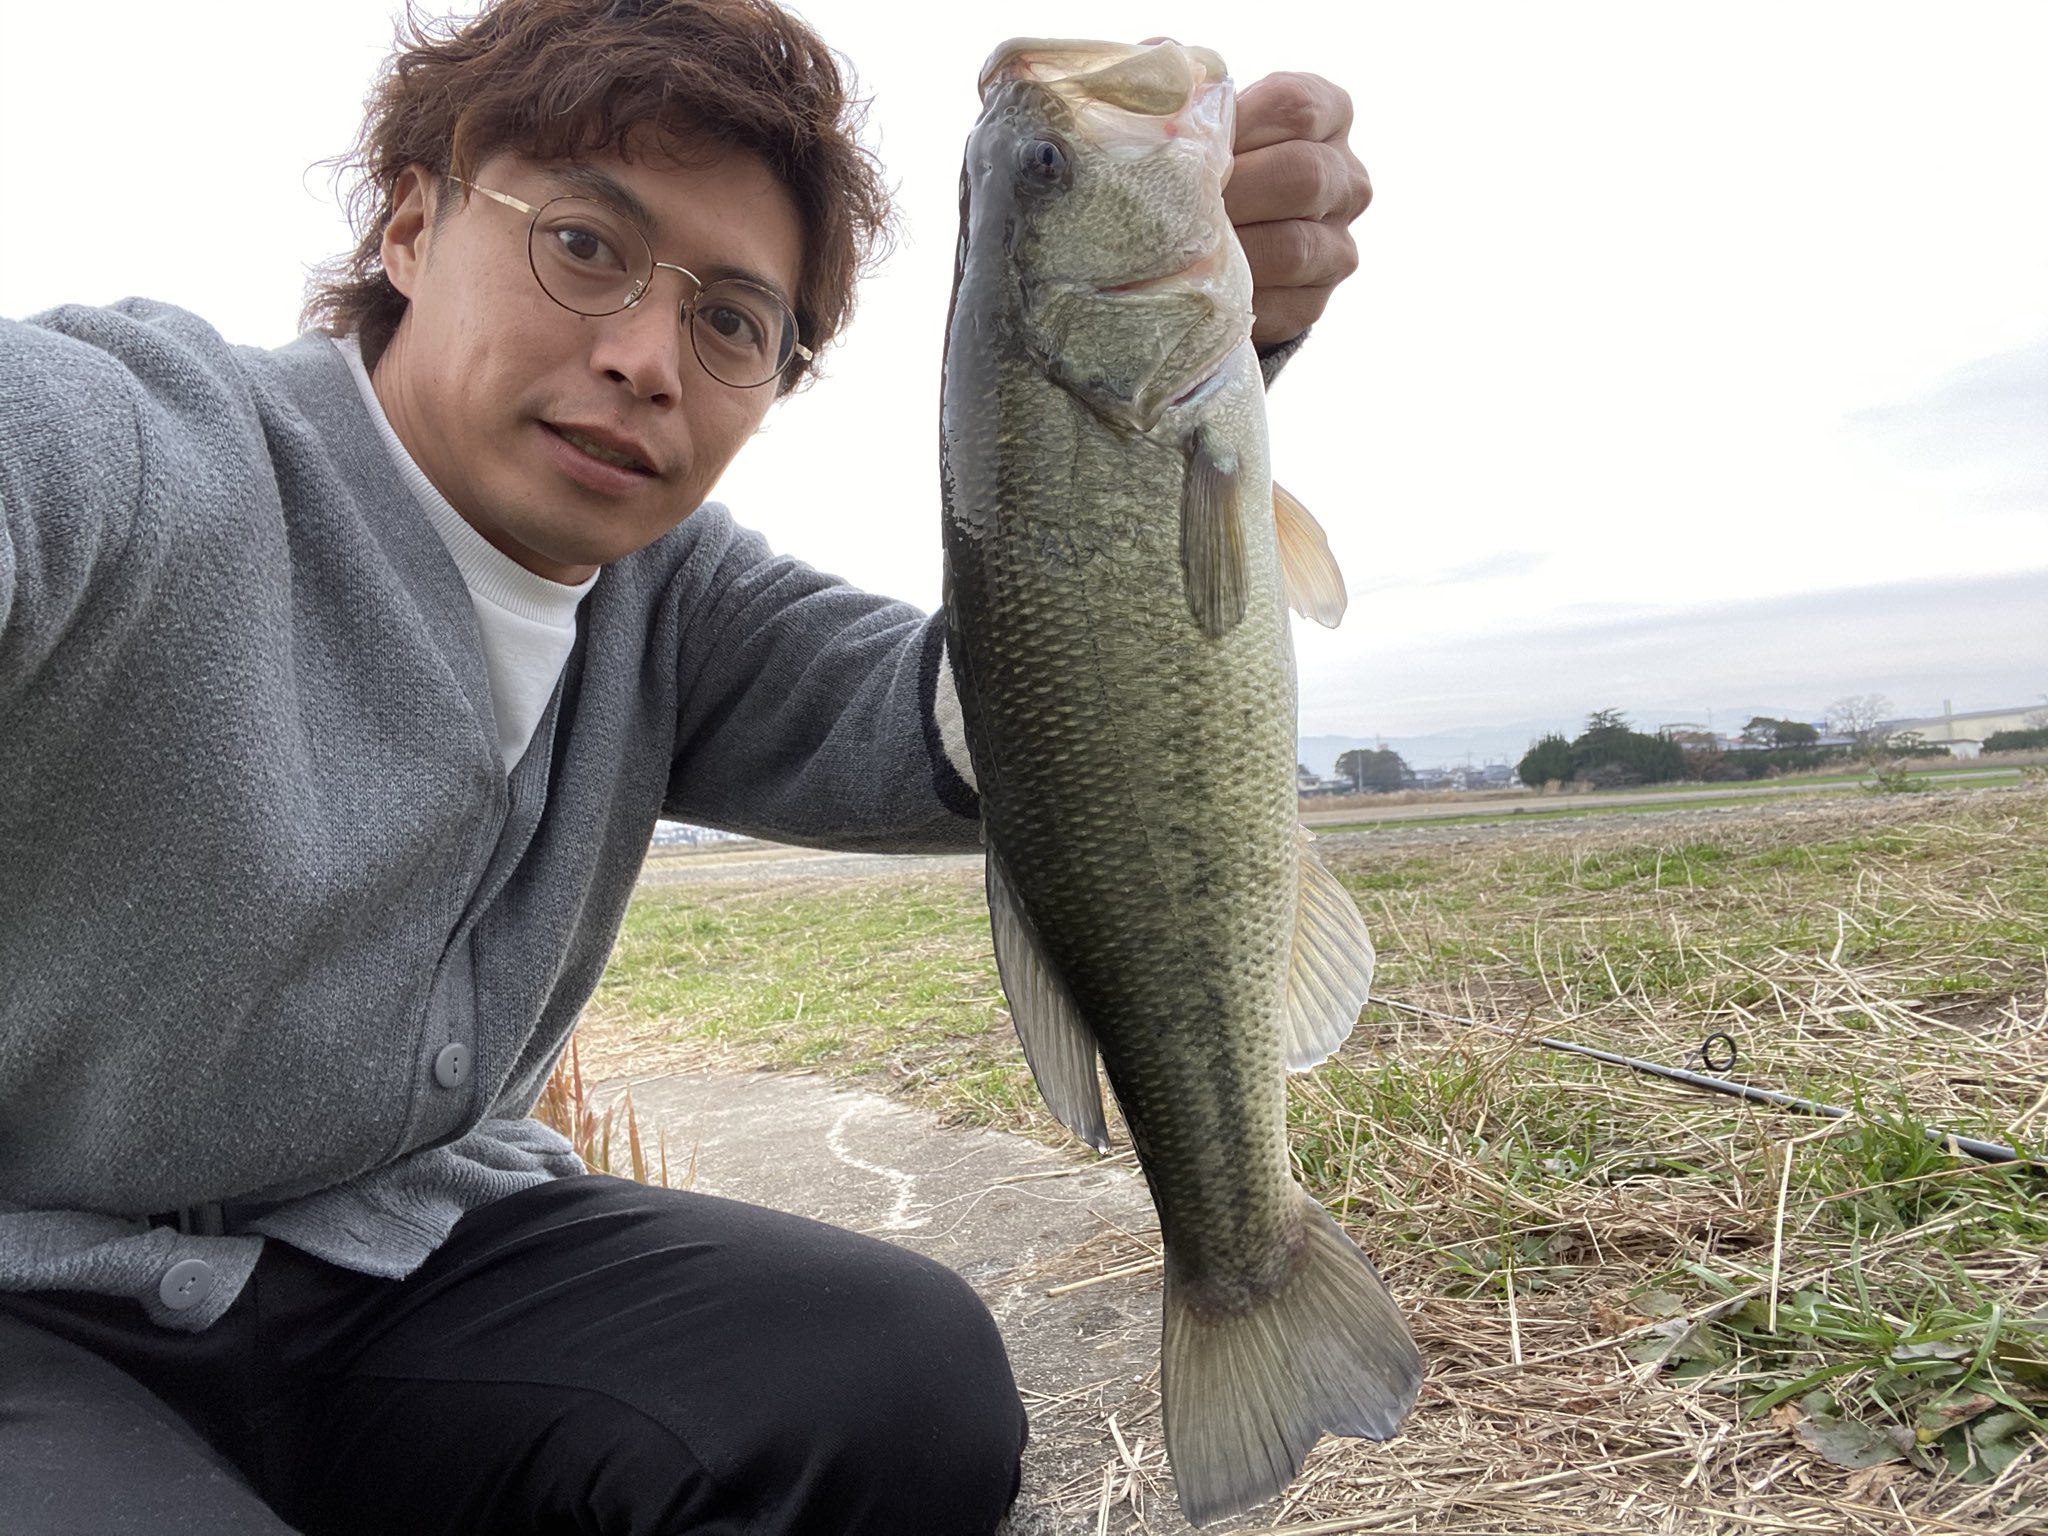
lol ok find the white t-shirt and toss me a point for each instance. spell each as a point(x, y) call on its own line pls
point(528, 623)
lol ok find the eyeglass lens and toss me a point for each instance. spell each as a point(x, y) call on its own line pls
point(591, 260)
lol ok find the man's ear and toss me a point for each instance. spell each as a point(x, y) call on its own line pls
point(410, 231)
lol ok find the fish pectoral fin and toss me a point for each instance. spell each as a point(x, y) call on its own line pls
point(1331, 973)
point(1057, 1041)
point(1309, 577)
point(1212, 546)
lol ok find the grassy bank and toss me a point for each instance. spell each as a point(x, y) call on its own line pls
point(1500, 804)
point(1645, 1308)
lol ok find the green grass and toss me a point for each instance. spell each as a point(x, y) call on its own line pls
point(1847, 1288)
point(892, 975)
point(1957, 769)
point(1522, 813)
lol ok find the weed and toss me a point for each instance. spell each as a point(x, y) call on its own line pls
point(1896, 779)
point(565, 1105)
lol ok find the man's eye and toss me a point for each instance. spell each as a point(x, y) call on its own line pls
point(586, 248)
point(733, 324)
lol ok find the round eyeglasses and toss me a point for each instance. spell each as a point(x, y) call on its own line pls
point(589, 258)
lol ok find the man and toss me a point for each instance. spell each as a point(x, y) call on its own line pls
point(340, 688)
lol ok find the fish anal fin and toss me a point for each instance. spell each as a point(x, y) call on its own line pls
point(1057, 1041)
point(1309, 577)
point(1330, 976)
point(1212, 542)
point(1248, 1390)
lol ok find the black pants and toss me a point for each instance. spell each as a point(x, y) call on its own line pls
point(590, 1356)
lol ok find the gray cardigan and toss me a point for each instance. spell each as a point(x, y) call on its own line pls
point(275, 926)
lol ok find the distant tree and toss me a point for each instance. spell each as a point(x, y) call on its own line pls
point(1608, 753)
point(1706, 763)
point(1653, 759)
point(2016, 741)
point(1764, 731)
point(1604, 739)
point(1548, 760)
point(1699, 750)
point(1860, 716)
point(1378, 771)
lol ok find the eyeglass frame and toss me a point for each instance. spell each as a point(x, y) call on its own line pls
point(688, 308)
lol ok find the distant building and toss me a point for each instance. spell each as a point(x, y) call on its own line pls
point(1466, 776)
point(681, 834)
point(1964, 734)
point(1308, 783)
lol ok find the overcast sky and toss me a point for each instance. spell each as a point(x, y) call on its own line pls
point(1668, 317)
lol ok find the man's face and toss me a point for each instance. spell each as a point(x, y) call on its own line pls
point(498, 392)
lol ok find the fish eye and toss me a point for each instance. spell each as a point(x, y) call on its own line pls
point(1044, 162)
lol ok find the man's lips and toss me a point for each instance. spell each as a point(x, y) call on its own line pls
point(605, 447)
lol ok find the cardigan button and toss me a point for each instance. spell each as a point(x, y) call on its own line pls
point(186, 1284)
point(451, 1067)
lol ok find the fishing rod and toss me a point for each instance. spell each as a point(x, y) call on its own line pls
point(1722, 1060)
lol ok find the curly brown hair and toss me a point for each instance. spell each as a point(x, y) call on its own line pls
point(555, 79)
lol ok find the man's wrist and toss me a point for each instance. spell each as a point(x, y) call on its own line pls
point(1273, 357)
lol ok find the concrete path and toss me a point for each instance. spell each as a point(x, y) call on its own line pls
point(1030, 1227)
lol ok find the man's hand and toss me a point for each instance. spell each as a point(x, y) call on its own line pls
point(1294, 188)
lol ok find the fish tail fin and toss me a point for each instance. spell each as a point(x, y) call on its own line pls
point(1248, 1392)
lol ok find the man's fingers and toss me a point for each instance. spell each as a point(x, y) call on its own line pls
point(1290, 106)
point(1281, 314)
point(1298, 253)
point(1296, 180)
point(1294, 188)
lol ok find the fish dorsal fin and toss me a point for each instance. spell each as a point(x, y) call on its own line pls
point(1212, 547)
point(1057, 1042)
point(1331, 974)
point(1309, 577)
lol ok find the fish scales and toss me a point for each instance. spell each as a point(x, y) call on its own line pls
point(1104, 793)
point(1118, 637)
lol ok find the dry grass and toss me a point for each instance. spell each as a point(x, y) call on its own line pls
point(565, 1104)
point(1645, 1309)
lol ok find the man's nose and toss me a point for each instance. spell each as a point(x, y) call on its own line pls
point(644, 346)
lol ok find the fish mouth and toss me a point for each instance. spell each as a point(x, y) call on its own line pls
point(1150, 80)
point(1123, 98)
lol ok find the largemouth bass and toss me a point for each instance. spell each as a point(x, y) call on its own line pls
point(1116, 594)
